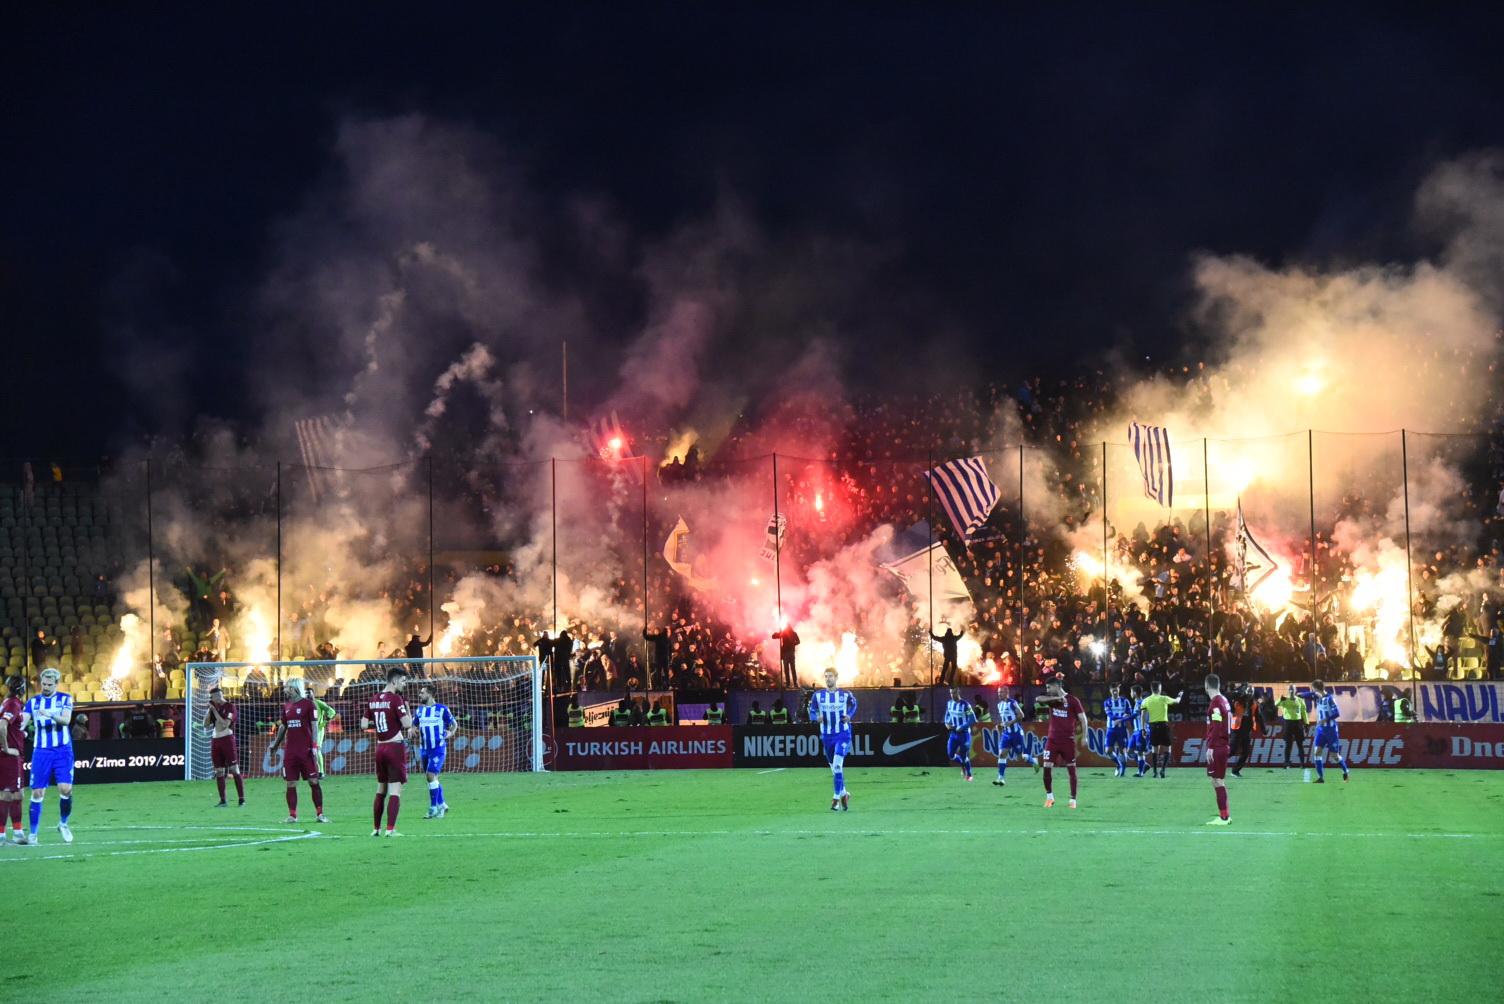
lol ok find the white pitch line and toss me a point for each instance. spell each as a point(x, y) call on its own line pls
point(1210, 834)
point(161, 850)
point(772, 770)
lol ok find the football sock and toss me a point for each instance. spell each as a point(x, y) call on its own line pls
point(239, 788)
point(1222, 802)
point(1072, 772)
point(219, 782)
point(292, 802)
point(64, 808)
point(35, 813)
point(1049, 777)
point(393, 804)
point(376, 809)
point(1321, 767)
point(318, 798)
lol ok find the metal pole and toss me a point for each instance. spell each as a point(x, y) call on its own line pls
point(646, 657)
point(1211, 606)
point(31, 628)
point(430, 551)
point(553, 464)
point(777, 548)
point(564, 367)
point(1023, 534)
point(151, 581)
point(1311, 493)
point(1409, 574)
point(1106, 580)
point(929, 641)
point(279, 562)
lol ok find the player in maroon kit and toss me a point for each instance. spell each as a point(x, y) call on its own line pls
point(299, 716)
point(223, 751)
point(1067, 728)
point(1218, 715)
point(12, 746)
point(387, 714)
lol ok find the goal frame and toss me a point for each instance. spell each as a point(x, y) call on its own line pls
point(278, 670)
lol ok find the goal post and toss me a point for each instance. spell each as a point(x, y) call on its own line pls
point(497, 701)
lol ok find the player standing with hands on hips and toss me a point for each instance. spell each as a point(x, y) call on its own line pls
point(833, 710)
point(387, 713)
point(297, 729)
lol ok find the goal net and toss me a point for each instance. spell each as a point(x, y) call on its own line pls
point(497, 703)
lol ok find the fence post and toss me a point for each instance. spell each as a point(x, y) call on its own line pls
point(929, 641)
point(645, 654)
point(1311, 495)
point(1211, 602)
point(1106, 568)
point(279, 561)
point(151, 584)
point(1409, 574)
point(432, 595)
point(1023, 534)
point(777, 551)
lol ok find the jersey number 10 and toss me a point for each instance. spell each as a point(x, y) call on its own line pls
point(381, 721)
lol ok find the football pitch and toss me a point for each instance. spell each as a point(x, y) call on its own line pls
point(687, 886)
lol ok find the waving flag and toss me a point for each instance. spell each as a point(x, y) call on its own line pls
point(1247, 542)
point(778, 528)
point(965, 492)
point(1151, 447)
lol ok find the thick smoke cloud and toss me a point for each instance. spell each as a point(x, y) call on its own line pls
point(418, 301)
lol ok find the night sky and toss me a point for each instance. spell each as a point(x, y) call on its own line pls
point(1040, 179)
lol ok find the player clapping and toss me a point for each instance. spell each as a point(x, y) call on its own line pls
point(436, 726)
point(387, 714)
point(1067, 729)
point(223, 751)
point(297, 730)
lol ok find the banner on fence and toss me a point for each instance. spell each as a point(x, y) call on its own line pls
point(643, 748)
point(108, 761)
point(872, 745)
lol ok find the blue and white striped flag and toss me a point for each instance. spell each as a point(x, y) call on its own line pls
point(1151, 447)
point(965, 491)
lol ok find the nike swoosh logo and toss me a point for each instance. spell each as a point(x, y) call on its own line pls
point(890, 750)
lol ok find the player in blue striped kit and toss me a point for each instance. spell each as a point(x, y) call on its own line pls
point(1119, 712)
point(50, 714)
point(1011, 738)
point(960, 716)
point(833, 710)
point(436, 726)
point(1326, 737)
point(1138, 739)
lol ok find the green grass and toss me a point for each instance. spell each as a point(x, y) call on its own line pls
point(688, 886)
